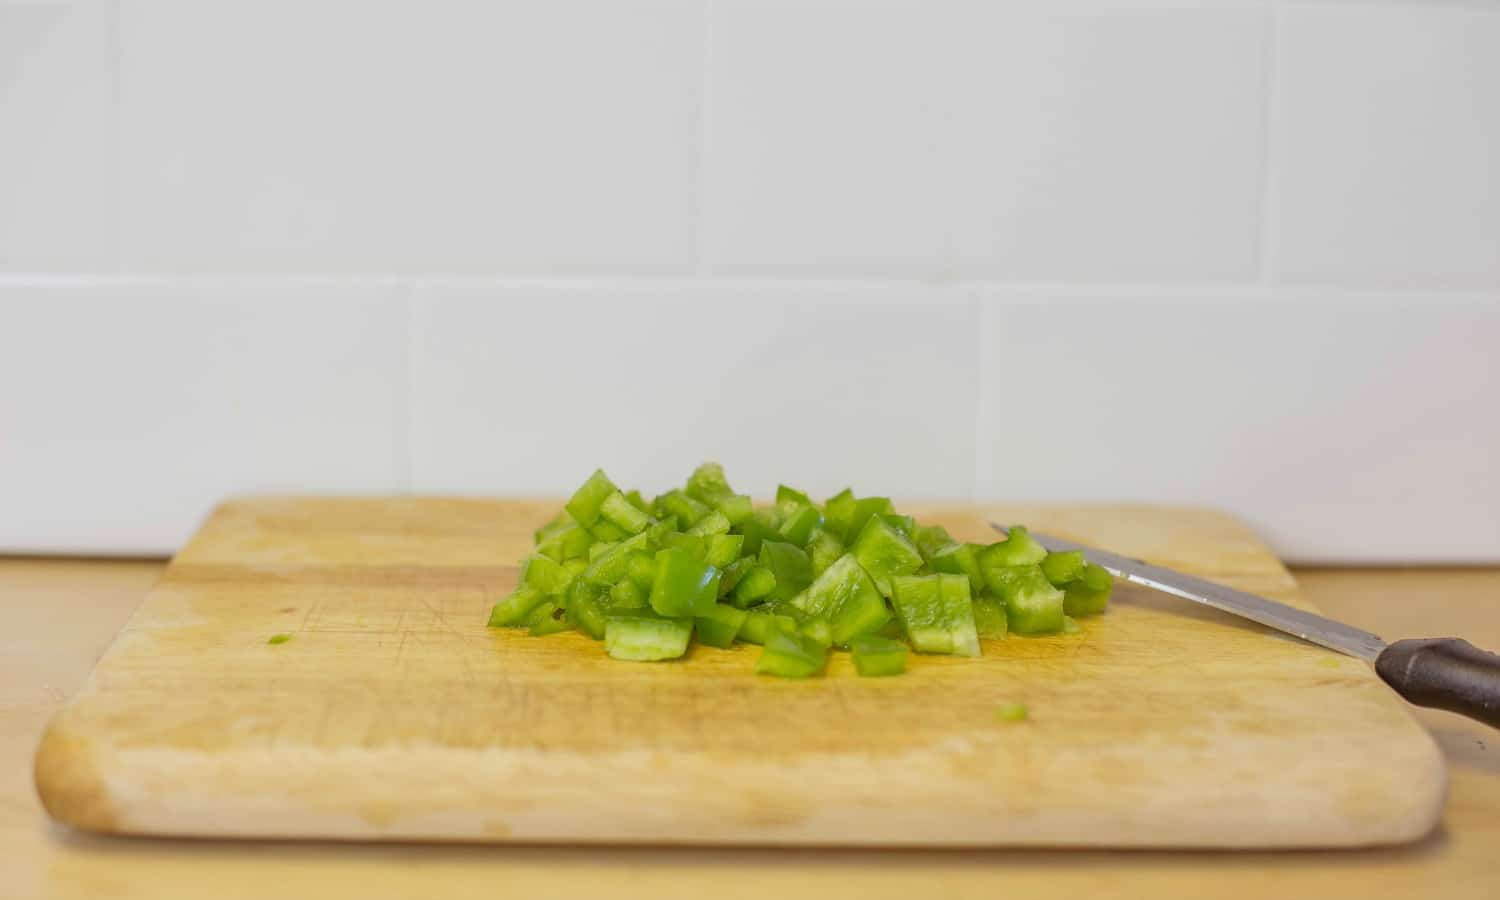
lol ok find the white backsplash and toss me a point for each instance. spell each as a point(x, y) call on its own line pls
point(1214, 252)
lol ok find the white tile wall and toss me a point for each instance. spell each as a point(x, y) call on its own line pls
point(1388, 122)
point(348, 136)
point(57, 137)
point(525, 389)
point(1345, 427)
point(1030, 141)
point(129, 409)
point(1242, 253)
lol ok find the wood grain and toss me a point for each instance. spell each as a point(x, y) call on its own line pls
point(393, 713)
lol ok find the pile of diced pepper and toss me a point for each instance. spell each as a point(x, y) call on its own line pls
point(796, 577)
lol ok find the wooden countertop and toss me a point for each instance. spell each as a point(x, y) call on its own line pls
point(60, 615)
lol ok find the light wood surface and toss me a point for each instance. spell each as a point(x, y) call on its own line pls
point(61, 614)
point(393, 713)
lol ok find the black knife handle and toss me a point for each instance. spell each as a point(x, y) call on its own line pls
point(1446, 673)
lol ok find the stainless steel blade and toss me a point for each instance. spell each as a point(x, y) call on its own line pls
point(1305, 625)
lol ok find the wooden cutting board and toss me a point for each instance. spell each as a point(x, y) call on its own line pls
point(394, 713)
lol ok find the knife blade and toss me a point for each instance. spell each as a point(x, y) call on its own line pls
point(1446, 673)
point(1305, 625)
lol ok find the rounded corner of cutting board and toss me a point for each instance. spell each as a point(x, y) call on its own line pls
point(68, 781)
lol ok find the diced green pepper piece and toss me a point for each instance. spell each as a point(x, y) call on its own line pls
point(756, 533)
point(797, 527)
point(755, 586)
point(599, 548)
point(730, 575)
point(684, 586)
point(619, 512)
point(627, 594)
point(847, 595)
point(876, 656)
point(638, 501)
point(723, 549)
point(904, 524)
point(760, 625)
point(1089, 595)
point(586, 501)
point(658, 532)
point(713, 523)
point(735, 507)
point(929, 539)
point(687, 510)
point(960, 559)
point(605, 530)
point(790, 497)
point(640, 568)
point(720, 626)
point(1032, 604)
point(823, 549)
point(989, 618)
point(548, 618)
point(707, 483)
point(838, 513)
point(862, 511)
point(516, 608)
point(546, 575)
point(790, 565)
point(694, 545)
point(576, 542)
point(1062, 568)
point(557, 524)
point(1018, 549)
point(612, 565)
point(791, 656)
point(937, 612)
point(818, 630)
point(646, 638)
point(885, 552)
point(585, 611)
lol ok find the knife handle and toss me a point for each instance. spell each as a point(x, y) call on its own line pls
point(1445, 673)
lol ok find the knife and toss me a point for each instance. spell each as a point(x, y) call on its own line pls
point(1445, 673)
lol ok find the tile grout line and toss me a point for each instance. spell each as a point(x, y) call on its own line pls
point(1267, 256)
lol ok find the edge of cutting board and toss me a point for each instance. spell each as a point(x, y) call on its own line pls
point(73, 778)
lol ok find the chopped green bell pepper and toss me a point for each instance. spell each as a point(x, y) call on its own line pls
point(937, 613)
point(1032, 604)
point(720, 626)
point(904, 524)
point(585, 611)
point(760, 625)
point(847, 595)
point(676, 503)
point(723, 549)
point(838, 513)
point(684, 586)
point(619, 512)
point(514, 609)
point(797, 527)
point(877, 656)
point(613, 564)
point(1062, 568)
point(555, 525)
point(960, 559)
point(646, 638)
point(755, 586)
point(586, 501)
point(791, 498)
point(791, 656)
point(929, 539)
point(862, 511)
point(1018, 549)
point(1089, 595)
point(546, 575)
point(885, 552)
point(790, 565)
point(627, 594)
point(638, 501)
point(605, 530)
point(823, 550)
point(714, 523)
point(549, 618)
point(817, 630)
point(735, 507)
point(989, 618)
point(707, 483)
